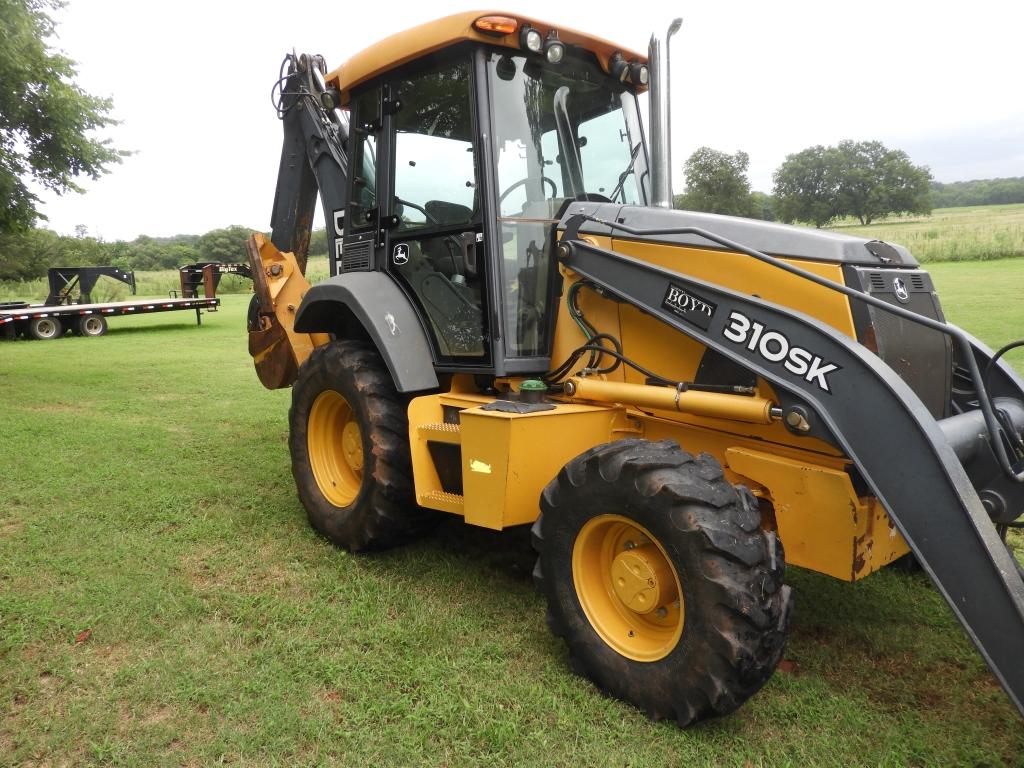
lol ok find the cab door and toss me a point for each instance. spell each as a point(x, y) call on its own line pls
point(434, 244)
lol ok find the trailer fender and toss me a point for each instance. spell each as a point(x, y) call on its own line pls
point(385, 314)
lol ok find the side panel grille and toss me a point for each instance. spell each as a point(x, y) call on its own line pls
point(356, 255)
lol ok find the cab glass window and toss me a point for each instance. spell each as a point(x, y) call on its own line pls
point(435, 169)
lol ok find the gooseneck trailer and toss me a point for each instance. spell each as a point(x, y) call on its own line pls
point(63, 312)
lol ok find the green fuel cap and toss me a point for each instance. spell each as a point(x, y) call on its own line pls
point(532, 390)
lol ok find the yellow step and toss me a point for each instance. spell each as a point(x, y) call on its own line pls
point(440, 433)
point(442, 501)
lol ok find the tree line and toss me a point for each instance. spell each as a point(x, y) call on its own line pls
point(26, 254)
point(863, 180)
point(978, 192)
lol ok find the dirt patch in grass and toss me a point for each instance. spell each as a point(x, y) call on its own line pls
point(11, 528)
point(129, 719)
point(58, 407)
point(898, 682)
point(199, 570)
point(214, 568)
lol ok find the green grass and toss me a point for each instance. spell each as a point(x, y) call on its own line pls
point(953, 234)
point(984, 298)
point(147, 501)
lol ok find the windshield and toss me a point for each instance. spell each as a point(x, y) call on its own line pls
point(563, 131)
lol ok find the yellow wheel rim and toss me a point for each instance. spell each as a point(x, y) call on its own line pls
point(335, 445)
point(628, 588)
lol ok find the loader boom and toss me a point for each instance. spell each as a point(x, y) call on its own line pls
point(861, 406)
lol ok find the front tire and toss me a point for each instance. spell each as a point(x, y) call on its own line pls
point(661, 580)
point(349, 443)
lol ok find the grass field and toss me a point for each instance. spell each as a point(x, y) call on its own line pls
point(953, 234)
point(163, 601)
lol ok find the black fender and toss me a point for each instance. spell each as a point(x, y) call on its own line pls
point(384, 313)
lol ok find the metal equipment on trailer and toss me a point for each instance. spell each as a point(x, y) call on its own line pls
point(208, 274)
point(66, 311)
point(518, 330)
point(64, 281)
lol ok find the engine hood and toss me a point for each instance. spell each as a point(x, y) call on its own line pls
point(767, 237)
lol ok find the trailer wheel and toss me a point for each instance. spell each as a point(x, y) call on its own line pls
point(660, 579)
point(349, 442)
point(45, 328)
point(91, 325)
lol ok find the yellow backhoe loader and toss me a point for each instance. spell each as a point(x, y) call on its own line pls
point(518, 330)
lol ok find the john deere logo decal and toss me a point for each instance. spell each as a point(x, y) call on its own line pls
point(689, 306)
point(900, 289)
point(400, 254)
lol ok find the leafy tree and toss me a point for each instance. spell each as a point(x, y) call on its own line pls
point(805, 188)
point(716, 182)
point(318, 243)
point(861, 179)
point(763, 206)
point(26, 254)
point(45, 119)
point(874, 182)
point(226, 244)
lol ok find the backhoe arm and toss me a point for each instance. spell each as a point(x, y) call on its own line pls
point(312, 160)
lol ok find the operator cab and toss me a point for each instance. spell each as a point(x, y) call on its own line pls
point(462, 160)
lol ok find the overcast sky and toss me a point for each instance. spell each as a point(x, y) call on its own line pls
point(191, 84)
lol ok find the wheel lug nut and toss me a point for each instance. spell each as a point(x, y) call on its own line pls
point(662, 612)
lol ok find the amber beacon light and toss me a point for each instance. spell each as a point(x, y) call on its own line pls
point(496, 25)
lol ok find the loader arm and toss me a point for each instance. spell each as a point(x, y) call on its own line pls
point(313, 160)
point(847, 396)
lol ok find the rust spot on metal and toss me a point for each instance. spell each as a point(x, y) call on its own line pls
point(304, 228)
point(862, 546)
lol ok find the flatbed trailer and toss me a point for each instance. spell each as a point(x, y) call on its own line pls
point(46, 321)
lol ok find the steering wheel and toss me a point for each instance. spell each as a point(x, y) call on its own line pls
point(429, 219)
point(526, 180)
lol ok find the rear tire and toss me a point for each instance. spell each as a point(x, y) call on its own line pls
point(625, 526)
point(44, 328)
point(349, 442)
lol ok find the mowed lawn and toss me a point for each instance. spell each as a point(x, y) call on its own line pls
point(163, 601)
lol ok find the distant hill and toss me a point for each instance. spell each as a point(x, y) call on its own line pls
point(978, 192)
